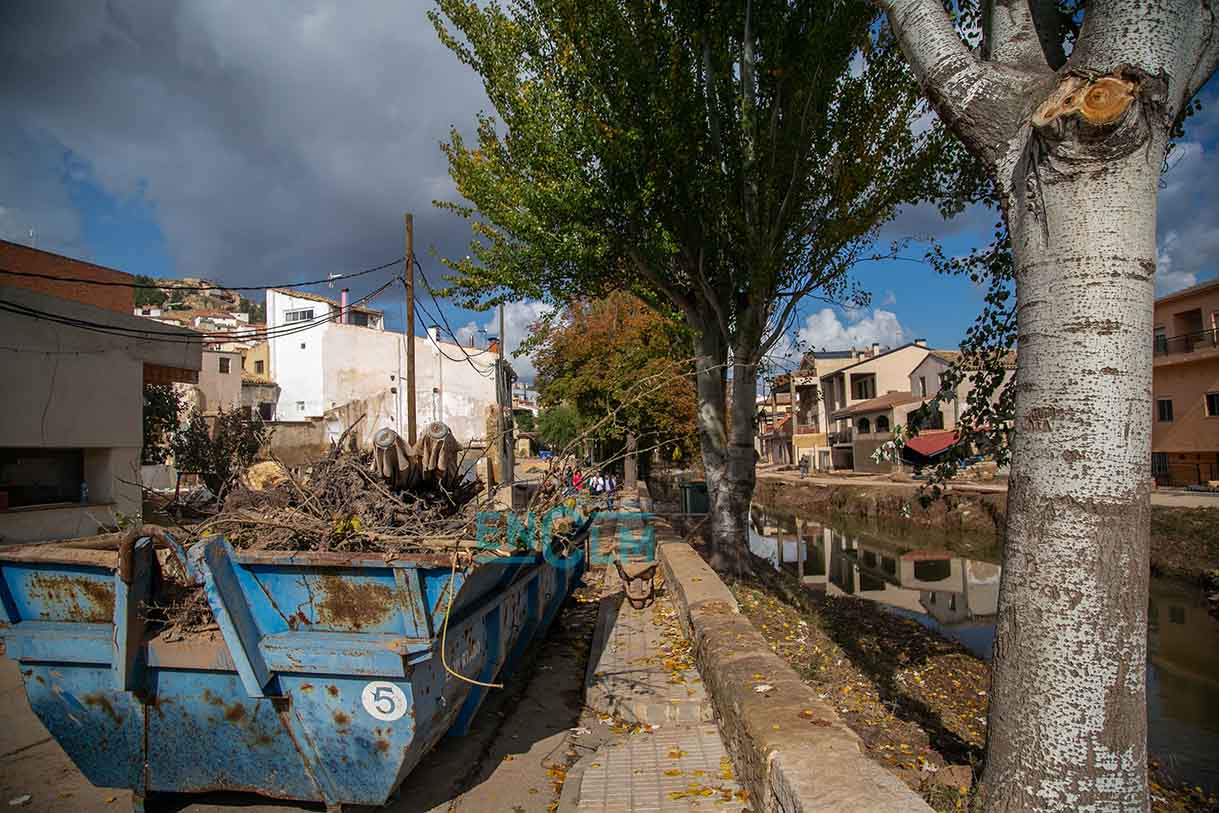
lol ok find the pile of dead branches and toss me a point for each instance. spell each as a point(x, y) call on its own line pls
point(341, 504)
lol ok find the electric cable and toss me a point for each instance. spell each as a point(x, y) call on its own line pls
point(145, 286)
point(176, 337)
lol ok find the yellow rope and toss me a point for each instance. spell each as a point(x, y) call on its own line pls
point(444, 632)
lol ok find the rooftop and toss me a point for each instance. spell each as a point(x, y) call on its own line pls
point(327, 300)
point(886, 401)
point(1201, 287)
point(879, 356)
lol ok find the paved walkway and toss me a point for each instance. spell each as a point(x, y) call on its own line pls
point(667, 755)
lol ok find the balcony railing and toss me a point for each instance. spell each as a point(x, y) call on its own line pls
point(842, 436)
point(1188, 343)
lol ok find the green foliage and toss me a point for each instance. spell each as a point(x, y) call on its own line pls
point(523, 419)
point(716, 163)
point(161, 407)
point(626, 369)
point(559, 426)
point(219, 454)
point(256, 310)
point(148, 296)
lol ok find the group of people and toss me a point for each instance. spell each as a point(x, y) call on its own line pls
point(598, 484)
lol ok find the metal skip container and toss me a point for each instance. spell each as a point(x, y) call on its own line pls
point(326, 680)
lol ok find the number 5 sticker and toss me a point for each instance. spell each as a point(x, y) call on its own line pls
point(384, 700)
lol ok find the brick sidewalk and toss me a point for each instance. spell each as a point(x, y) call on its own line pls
point(641, 680)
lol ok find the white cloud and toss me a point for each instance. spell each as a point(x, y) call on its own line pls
point(889, 298)
point(1187, 250)
point(518, 318)
point(824, 330)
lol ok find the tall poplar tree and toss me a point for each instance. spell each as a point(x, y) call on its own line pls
point(721, 159)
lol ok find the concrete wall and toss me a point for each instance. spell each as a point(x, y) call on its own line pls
point(296, 443)
point(251, 357)
point(296, 359)
point(1186, 384)
point(219, 390)
point(75, 389)
point(365, 365)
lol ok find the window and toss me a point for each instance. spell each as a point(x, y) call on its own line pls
point(1164, 410)
point(266, 411)
point(224, 364)
point(1212, 404)
point(1161, 340)
point(259, 366)
point(922, 386)
point(303, 315)
point(864, 426)
point(882, 423)
point(41, 476)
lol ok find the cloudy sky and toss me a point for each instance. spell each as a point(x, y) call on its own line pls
point(276, 140)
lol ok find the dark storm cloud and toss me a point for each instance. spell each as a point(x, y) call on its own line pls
point(273, 138)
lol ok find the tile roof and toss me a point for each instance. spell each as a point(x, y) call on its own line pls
point(929, 444)
point(886, 401)
point(327, 300)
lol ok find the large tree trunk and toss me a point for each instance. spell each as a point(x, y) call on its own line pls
point(1067, 725)
point(1075, 146)
point(730, 505)
point(725, 434)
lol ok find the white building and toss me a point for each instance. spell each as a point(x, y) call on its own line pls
point(331, 363)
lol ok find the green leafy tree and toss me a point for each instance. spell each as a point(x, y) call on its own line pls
point(218, 453)
point(162, 405)
point(619, 359)
point(148, 296)
point(720, 161)
point(256, 310)
point(559, 426)
point(523, 419)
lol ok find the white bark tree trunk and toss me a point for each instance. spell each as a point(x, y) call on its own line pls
point(1075, 150)
point(1067, 727)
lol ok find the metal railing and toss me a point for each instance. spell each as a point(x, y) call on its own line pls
point(842, 436)
point(1187, 343)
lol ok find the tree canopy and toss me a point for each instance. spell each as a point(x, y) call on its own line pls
point(718, 160)
point(618, 357)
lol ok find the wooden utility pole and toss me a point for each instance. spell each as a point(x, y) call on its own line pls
point(410, 328)
point(791, 380)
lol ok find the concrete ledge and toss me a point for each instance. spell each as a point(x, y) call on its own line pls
point(791, 750)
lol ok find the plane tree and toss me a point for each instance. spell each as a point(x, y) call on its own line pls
point(1070, 108)
point(722, 160)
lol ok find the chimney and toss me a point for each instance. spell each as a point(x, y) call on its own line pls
point(343, 319)
point(875, 349)
point(920, 342)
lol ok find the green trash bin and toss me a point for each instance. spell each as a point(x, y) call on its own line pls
point(694, 498)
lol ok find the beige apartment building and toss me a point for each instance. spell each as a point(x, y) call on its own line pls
point(1185, 420)
point(864, 400)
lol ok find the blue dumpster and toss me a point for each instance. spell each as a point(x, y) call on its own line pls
point(324, 681)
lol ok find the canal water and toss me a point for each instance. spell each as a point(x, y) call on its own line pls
point(957, 597)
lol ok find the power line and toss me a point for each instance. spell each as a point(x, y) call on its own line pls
point(144, 286)
point(485, 372)
point(440, 310)
point(175, 337)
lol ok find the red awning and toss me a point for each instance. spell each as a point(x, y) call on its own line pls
point(930, 444)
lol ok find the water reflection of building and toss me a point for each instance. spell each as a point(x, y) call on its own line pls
point(952, 590)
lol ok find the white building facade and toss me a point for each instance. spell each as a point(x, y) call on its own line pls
point(330, 364)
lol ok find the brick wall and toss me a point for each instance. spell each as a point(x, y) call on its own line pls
point(15, 257)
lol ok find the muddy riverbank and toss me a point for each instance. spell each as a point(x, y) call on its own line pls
point(1184, 541)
